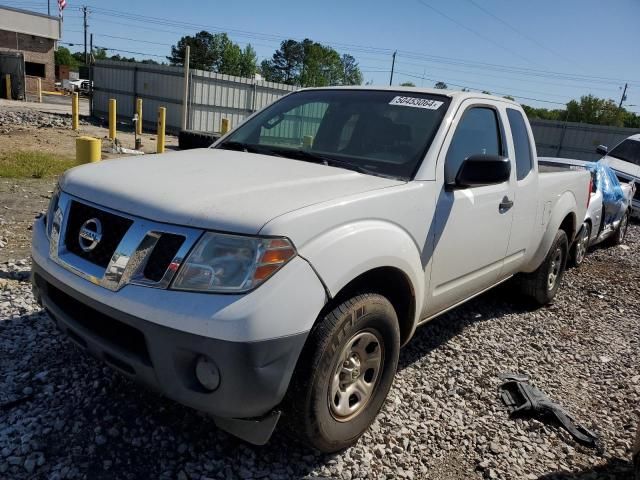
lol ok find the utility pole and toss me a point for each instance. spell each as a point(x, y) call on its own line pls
point(84, 13)
point(91, 75)
point(393, 64)
point(49, 7)
point(623, 97)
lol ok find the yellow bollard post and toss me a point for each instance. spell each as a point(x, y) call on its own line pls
point(7, 84)
point(39, 90)
point(75, 121)
point(307, 141)
point(88, 149)
point(139, 112)
point(224, 126)
point(162, 117)
point(112, 118)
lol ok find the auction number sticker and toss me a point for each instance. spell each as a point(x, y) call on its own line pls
point(416, 102)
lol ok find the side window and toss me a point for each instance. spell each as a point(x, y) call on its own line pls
point(521, 143)
point(477, 133)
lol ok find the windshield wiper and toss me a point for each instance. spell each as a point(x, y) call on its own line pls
point(242, 147)
point(306, 155)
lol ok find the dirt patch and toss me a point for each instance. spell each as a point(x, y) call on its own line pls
point(20, 201)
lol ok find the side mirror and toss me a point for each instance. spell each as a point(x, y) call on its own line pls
point(479, 170)
point(602, 149)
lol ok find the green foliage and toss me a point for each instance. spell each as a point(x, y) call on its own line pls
point(589, 109)
point(33, 164)
point(310, 64)
point(63, 56)
point(215, 53)
point(486, 92)
point(509, 97)
point(407, 84)
point(441, 85)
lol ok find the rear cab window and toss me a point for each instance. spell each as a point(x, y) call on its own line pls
point(521, 143)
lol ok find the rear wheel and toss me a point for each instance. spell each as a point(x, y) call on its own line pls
point(581, 245)
point(542, 284)
point(620, 234)
point(344, 373)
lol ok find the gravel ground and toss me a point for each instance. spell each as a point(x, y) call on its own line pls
point(64, 415)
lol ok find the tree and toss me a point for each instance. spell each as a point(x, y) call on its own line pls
point(591, 109)
point(310, 64)
point(63, 56)
point(441, 85)
point(215, 53)
point(352, 74)
point(407, 84)
point(486, 92)
point(509, 97)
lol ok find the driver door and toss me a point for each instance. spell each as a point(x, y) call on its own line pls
point(473, 225)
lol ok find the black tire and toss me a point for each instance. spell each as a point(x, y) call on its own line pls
point(618, 237)
point(580, 246)
point(537, 285)
point(309, 413)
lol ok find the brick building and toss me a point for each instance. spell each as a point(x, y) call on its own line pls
point(36, 36)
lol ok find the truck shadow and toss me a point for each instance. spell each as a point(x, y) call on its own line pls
point(497, 302)
point(615, 468)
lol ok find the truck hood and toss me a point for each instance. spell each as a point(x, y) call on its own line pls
point(214, 189)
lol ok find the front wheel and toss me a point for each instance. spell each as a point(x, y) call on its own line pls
point(344, 373)
point(542, 284)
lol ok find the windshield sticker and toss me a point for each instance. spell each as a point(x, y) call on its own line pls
point(416, 102)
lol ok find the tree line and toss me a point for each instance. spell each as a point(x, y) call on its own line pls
point(308, 63)
point(305, 64)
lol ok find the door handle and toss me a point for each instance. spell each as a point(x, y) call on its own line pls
point(505, 204)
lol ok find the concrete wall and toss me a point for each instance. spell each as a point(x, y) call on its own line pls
point(575, 140)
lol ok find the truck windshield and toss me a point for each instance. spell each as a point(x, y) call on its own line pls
point(628, 150)
point(383, 133)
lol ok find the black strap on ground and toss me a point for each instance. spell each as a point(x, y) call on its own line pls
point(521, 398)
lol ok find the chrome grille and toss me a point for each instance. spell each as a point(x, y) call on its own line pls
point(135, 250)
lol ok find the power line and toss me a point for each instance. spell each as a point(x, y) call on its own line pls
point(475, 32)
point(511, 27)
point(355, 48)
point(477, 88)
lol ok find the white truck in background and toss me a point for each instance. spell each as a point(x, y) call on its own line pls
point(278, 273)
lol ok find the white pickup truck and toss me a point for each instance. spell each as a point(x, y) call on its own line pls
point(277, 273)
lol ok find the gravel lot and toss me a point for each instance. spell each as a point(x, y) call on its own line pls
point(64, 415)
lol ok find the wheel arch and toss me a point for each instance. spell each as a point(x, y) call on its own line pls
point(390, 282)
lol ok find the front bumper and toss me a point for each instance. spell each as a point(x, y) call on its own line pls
point(134, 330)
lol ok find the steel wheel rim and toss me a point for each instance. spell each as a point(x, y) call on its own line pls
point(623, 228)
point(356, 375)
point(554, 271)
point(581, 248)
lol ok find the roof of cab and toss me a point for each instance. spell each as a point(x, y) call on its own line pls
point(453, 94)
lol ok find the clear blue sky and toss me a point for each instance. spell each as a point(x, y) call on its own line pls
point(448, 40)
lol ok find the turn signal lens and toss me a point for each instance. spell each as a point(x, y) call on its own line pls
point(232, 263)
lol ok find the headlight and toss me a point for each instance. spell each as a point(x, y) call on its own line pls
point(232, 263)
point(53, 205)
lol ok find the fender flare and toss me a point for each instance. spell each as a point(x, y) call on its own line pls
point(563, 208)
point(344, 253)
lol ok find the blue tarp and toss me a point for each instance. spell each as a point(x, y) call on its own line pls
point(612, 194)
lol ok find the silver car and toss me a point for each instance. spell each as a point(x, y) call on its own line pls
point(624, 159)
point(605, 220)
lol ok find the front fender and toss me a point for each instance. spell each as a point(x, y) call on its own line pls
point(346, 252)
point(565, 206)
